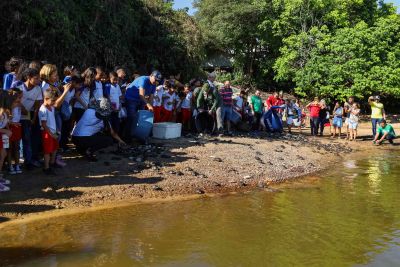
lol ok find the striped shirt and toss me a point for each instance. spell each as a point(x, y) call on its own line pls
point(226, 95)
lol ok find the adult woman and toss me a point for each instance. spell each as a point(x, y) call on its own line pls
point(93, 131)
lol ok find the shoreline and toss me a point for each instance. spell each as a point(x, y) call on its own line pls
point(176, 173)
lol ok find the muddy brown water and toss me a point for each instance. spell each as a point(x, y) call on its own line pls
point(347, 216)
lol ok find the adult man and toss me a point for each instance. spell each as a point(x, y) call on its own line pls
point(208, 99)
point(256, 106)
point(385, 132)
point(139, 94)
point(224, 112)
point(377, 112)
point(271, 101)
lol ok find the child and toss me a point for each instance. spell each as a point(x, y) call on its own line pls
point(186, 107)
point(49, 128)
point(66, 109)
point(69, 71)
point(113, 93)
point(353, 120)
point(12, 66)
point(157, 100)
point(16, 129)
point(169, 100)
point(337, 120)
point(31, 97)
point(5, 134)
point(101, 78)
point(84, 94)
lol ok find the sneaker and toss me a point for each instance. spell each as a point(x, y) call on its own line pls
point(18, 169)
point(11, 170)
point(55, 166)
point(49, 171)
point(36, 163)
point(4, 188)
point(60, 162)
point(4, 181)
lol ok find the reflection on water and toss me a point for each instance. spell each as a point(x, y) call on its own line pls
point(348, 217)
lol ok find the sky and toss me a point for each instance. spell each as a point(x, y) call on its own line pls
point(188, 3)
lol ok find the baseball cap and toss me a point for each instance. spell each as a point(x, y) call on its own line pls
point(156, 74)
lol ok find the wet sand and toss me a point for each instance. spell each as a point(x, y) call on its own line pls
point(178, 169)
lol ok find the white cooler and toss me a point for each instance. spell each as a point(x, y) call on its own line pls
point(167, 130)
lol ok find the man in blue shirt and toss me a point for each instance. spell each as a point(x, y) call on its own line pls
point(140, 94)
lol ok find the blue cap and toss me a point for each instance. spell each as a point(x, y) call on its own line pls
point(67, 79)
point(156, 74)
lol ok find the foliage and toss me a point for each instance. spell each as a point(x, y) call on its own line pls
point(140, 34)
point(360, 60)
point(332, 48)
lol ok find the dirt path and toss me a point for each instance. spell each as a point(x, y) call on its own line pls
point(182, 167)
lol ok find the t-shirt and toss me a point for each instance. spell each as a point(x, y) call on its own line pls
point(88, 125)
point(314, 110)
point(338, 112)
point(239, 102)
point(271, 101)
point(3, 120)
point(347, 107)
point(226, 95)
point(353, 118)
point(8, 80)
point(29, 97)
point(157, 100)
point(16, 114)
point(115, 94)
point(45, 86)
point(98, 92)
point(387, 129)
point(257, 103)
point(169, 102)
point(187, 101)
point(48, 115)
point(132, 91)
point(377, 110)
point(69, 96)
point(85, 96)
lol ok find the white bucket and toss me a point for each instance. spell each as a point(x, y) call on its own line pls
point(167, 130)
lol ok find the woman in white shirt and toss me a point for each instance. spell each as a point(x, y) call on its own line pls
point(93, 131)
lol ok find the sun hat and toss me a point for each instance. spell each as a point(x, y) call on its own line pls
point(103, 107)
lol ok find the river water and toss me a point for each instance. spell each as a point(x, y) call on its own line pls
point(348, 216)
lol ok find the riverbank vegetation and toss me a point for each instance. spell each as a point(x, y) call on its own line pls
point(330, 48)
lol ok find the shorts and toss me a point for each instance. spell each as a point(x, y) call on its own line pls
point(297, 122)
point(186, 114)
point(337, 122)
point(166, 115)
point(157, 114)
point(289, 120)
point(226, 113)
point(16, 130)
point(352, 124)
point(5, 141)
point(50, 145)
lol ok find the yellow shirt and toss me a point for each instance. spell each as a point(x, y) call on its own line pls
point(377, 110)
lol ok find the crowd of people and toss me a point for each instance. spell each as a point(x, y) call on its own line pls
point(93, 109)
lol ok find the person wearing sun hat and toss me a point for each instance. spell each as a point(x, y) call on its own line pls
point(93, 131)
